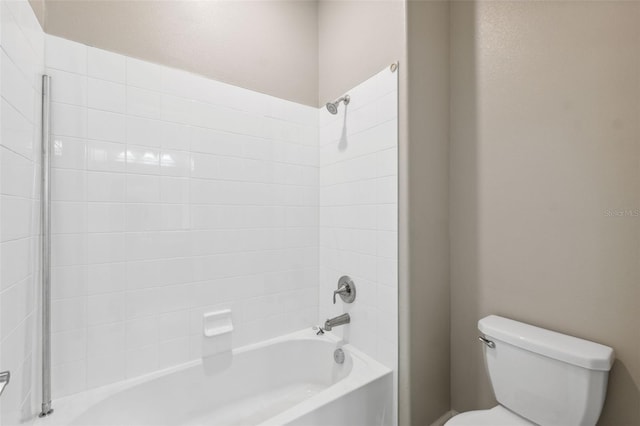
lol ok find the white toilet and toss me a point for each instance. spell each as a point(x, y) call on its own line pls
point(540, 377)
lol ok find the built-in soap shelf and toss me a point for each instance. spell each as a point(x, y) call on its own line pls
point(217, 323)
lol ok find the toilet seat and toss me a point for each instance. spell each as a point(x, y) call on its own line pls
point(497, 416)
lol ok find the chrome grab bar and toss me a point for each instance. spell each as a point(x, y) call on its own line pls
point(5, 377)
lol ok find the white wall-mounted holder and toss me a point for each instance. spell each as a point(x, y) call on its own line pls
point(217, 329)
point(217, 323)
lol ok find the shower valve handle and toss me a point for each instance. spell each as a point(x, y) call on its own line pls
point(342, 290)
point(346, 290)
point(5, 377)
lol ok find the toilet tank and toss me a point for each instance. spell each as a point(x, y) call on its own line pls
point(546, 377)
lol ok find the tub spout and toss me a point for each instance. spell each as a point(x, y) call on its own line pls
point(339, 320)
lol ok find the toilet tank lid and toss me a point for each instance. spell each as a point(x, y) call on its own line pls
point(562, 347)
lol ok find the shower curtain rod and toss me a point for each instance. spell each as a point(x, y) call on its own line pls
point(45, 204)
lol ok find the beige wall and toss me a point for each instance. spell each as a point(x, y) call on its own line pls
point(425, 314)
point(356, 39)
point(545, 139)
point(270, 46)
point(288, 41)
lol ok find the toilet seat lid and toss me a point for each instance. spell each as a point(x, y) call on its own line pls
point(497, 416)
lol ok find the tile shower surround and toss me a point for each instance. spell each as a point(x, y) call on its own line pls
point(174, 195)
point(358, 215)
point(21, 68)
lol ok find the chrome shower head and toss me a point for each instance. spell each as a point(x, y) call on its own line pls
point(332, 107)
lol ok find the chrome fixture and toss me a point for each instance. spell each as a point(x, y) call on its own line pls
point(332, 107)
point(334, 322)
point(346, 290)
point(487, 342)
point(319, 331)
point(5, 377)
point(45, 203)
point(338, 356)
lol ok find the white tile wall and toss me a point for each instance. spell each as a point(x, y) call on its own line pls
point(173, 195)
point(358, 214)
point(21, 67)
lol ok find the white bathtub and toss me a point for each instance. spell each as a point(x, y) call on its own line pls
point(289, 380)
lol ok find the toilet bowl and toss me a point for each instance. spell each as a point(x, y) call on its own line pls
point(497, 416)
point(540, 377)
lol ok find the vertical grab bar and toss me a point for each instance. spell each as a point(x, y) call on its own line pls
point(45, 203)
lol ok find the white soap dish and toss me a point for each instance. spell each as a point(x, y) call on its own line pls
point(217, 323)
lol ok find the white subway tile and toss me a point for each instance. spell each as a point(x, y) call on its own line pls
point(16, 132)
point(387, 190)
point(68, 120)
point(143, 217)
point(16, 88)
point(173, 325)
point(141, 332)
point(161, 245)
point(68, 249)
point(106, 156)
point(143, 188)
point(216, 142)
point(108, 339)
point(176, 110)
point(105, 65)
point(105, 248)
point(106, 277)
point(143, 103)
point(16, 218)
point(68, 314)
point(69, 378)
point(69, 153)
point(106, 126)
point(142, 303)
point(68, 217)
point(142, 360)
point(144, 132)
point(65, 55)
point(175, 136)
point(143, 74)
point(68, 281)
point(16, 174)
point(105, 369)
point(15, 261)
point(15, 41)
point(175, 163)
point(221, 241)
point(143, 160)
point(16, 303)
point(68, 87)
point(206, 166)
point(174, 190)
point(106, 187)
point(106, 217)
point(105, 95)
point(173, 352)
point(68, 346)
point(105, 308)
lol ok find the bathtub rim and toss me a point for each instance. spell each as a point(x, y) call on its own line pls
point(363, 372)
